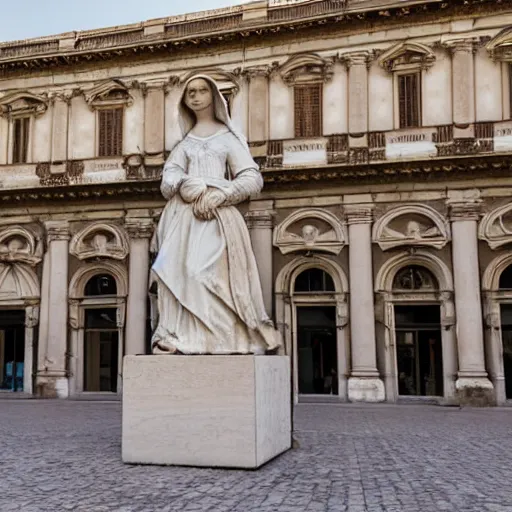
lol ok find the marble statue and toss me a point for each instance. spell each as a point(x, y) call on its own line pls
point(209, 293)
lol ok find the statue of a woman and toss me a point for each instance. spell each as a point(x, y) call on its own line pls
point(209, 292)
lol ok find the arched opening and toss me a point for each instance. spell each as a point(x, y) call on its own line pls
point(101, 336)
point(316, 333)
point(418, 333)
point(505, 284)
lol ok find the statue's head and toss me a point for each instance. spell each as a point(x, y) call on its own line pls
point(198, 95)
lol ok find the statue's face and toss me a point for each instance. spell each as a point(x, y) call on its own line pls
point(198, 95)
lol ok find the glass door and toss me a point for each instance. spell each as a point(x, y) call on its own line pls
point(12, 357)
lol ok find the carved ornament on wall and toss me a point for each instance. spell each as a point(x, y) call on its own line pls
point(306, 67)
point(310, 229)
point(411, 225)
point(18, 244)
point(23, 103)
point(407, 55)
point(108, 94)
point(496, 227)
point(100, 240)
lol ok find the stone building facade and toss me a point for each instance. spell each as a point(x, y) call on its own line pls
point(383, 234)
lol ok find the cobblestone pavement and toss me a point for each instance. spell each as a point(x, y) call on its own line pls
point(65, 456)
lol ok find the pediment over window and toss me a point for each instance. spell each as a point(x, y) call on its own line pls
point(306, 68)
point(496, 227)
point(500, 46)
point(405, 56)
point(310, 230)
point(108, 94)
point(23, 103)
point(226, 80)
point(411, 225)
point(20, 245)
point(100, 240)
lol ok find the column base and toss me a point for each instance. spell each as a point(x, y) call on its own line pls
point(475, 391)
point(52, 386)
point(366, 389)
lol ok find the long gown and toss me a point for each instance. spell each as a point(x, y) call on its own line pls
point(209, 292)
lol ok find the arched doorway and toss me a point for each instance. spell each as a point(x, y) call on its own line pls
point(505, 287)
point(312, 314)
point(316, 335)
point(97, 309)
point(415, 316)
point(418, 335)
point(101, 337)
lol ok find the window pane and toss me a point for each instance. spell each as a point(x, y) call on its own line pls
point(308, 110)
point(101, 284)
point(110, 123)
point(20, 140)
point(409, 100)
point(314, 280)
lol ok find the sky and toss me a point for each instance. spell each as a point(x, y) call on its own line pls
point(34, 18)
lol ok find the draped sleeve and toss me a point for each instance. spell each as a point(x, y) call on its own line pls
point(175, 170)
point(246, 177)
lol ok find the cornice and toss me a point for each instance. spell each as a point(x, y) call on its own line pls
point(197, 31)
point(458, 168)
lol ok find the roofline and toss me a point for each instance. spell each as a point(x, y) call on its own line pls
point(241, 21)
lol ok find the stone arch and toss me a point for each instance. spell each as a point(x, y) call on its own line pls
point(83, 274)
point(436, 232)
point(331, 240)
point(306, 67)
point(499, 45)
point(114, 243)
point(407, 54)
point(287, 275)
point(493, 227)
point(493, 271)
point(18, 282)
point(388, 271)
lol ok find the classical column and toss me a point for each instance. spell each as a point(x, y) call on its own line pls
point(60, 127)
point(154, 112)
point(357, 64)
point(258, 103)
point(52, 375)
point(364, 384)
point(473, 386)
point(260, 223)
point(463, 80)
point(31, 321)
point(140, 231)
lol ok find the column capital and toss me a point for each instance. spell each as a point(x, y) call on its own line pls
point(467, 45)
point(360, 58)
point(260, 219)
point(258, 71)
point(464, 210)
point(139, 228)
point(359, 214)
point(57, 230)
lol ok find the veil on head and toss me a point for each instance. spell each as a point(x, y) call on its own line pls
point(187, 119)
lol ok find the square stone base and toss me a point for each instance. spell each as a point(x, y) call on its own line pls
point(210, 411)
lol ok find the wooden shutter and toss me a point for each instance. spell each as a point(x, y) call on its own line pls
point(110, 132)
point(308, 110)
point(409, 98)
point(20, 140)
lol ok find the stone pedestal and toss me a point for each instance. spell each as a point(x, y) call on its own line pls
point(210, 411)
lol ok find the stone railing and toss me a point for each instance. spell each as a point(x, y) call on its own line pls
point(426, 144)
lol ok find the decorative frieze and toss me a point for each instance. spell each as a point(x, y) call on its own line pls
point(496, 227)
point(66, 173)
point(139, 228)
point(20, 245)
point(299, 152)
point(99, 240)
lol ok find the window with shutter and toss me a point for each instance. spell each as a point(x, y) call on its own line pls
point(409, 99)
point(510, 88)
point(21, 130)
point(110, 131)
point(308, 110)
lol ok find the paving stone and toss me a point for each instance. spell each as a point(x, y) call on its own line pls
point(65, 456)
